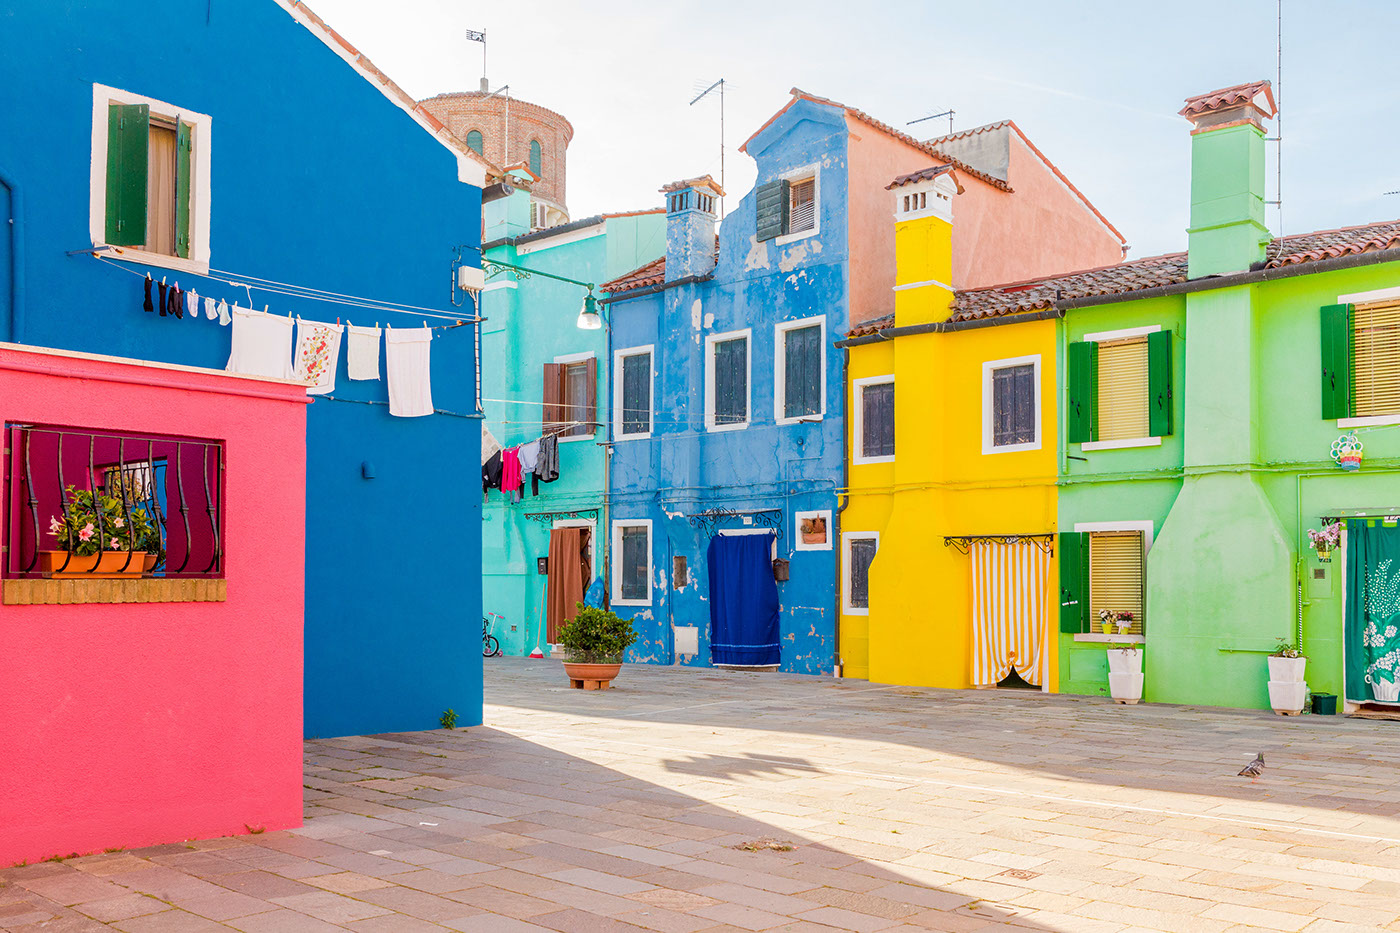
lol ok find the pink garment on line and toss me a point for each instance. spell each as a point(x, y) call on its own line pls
point(510, 470)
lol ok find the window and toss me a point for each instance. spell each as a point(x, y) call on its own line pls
point(813, 530)
point(789, 208)
point(860, 547)
point(632, 393)
point(536, 158)
point(915, 201)
point(631, 555)
point(800, 391)
point(1361, 363)
point(1011, 405)
point(874, 421)
point(570, 396)
point(1103, 567)
point(476, 142)
point(727, 381)
point(1120, 388)
point(150, 179)
point(802, 206)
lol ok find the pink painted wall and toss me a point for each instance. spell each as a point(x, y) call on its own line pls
point(1040, 228)
point(135, 724)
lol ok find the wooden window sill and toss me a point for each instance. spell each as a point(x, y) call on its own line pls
point(143, 590)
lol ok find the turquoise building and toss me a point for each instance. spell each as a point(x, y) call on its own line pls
point(541, 371)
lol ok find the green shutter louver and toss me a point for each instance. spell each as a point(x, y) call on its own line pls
point(536, 158)
point(128, 154)
point(476, 142)
point(1083, 415)
point(1336, 361)
point(184, 148)
point(771, 201)
point(1074, 582)
point(1159, 383)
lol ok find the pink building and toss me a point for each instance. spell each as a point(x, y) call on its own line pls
point(165, 702)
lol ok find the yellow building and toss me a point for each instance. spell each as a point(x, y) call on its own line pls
point(948, 576)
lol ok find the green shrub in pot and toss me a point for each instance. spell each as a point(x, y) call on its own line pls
point(596, 636)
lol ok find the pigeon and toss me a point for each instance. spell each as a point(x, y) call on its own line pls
point(1254, 768)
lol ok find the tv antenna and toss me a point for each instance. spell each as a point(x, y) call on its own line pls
point(475, 36)
point(1277, 138)
point(934, 116)
point(701, 96)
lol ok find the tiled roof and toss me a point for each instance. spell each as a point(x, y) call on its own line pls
point(1230, 97)
point(866, 328)
point(1139, 274)
point(569, 227)
point(924, 174)
point(867, 119)
point(653, 273)
point(964, 134)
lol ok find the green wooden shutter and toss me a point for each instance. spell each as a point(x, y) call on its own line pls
point(1074, 582)
point(1336, 361)
point(772, 206)
point(128, 153)
point(1083, 392)
point(1159, 383)
point(535, 158)
point(183, 150)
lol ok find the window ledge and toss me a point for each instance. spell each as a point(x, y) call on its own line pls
point(1009, 448)
point(143, 590)
point(863, 461)
point(631, 602)
point(726, 427)
point(1125, 443)
point(632, 437)
point(800, 419)
point(787, 238)
point(855, 612)
point(173, 263)
point(1114, 639)
point(1373, 421)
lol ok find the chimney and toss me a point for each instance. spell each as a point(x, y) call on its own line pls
point(923, 244)
point(690, 227)
point(507, 212)
point(1227, 231)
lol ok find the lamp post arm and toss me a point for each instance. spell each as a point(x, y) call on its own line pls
point(492, 266)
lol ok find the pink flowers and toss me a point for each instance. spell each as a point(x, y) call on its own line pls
point(55, 526)
point(115, 545)
point(86, 532)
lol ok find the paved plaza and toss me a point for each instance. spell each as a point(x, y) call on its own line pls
point(687, 800)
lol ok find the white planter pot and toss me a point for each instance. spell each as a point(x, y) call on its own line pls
point(1387, 691)
point(1287, 696)
point(1124, 661)
point(1287, 670)
point(1125, 687)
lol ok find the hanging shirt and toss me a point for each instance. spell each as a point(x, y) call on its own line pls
point(510, 470)
point(529, 456)
point(362, 352)
point(318, 355)
point(491, 474)
point(410, 380)
point(262, 344)
point(547, 468)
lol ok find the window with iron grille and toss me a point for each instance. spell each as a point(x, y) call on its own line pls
point(1011, 398)
point(727, 397)
point(874, 423)
point(860, 554)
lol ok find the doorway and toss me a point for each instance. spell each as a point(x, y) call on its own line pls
point(569, 572)
point(744, 612)
point(1371, 615)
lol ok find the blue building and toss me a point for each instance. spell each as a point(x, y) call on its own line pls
point(218, 143)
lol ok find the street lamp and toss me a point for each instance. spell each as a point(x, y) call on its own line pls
point(588, 316)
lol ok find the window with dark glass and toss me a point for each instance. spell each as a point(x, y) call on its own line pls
point(731, 375)
point(635, 552)
point(636, 394)
point(476, 142)
point(861, 555)
point(877, 420)
point(536, 158)
point(1013, 405)
point(802, 371)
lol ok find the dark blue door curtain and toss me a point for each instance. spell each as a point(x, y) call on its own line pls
point(743, 601)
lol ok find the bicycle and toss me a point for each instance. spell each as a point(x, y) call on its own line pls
point(490, 645)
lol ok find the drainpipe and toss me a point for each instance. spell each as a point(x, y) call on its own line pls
point(16, 258)
point(843, 499)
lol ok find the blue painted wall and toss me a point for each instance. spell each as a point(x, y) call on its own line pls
point(319, 180)
point(682, 469)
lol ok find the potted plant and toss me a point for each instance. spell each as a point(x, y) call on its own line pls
point(1125, 677)
point(1287, 689)
point(594, 641)
point(814, 529)
point(1324, 541)
point(98, 537)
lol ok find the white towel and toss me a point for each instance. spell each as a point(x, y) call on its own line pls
point(362, 352)
point(410, 380)
point(262, 344)
point(318, 355)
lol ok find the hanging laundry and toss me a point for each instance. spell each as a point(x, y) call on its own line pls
point(529, 461)
point(406, 356)
point(147, 305)
point(192, 305)
point(164, 296)
point(177, 301)
point(489, 444)
point(318, 355)
point(547, 468)
point(491, 474)
point(210, 310)
point(362, 353)
point(224, 316)
point(262, 344)
point(510, 473)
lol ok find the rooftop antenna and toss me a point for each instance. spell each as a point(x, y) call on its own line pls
point(1277, 138)
point(701, 96)
point(474, 36)
point(934, 116)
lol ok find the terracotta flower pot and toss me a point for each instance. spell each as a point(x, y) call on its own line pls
point(108, 565)
point(150, 562)
point(589, 676)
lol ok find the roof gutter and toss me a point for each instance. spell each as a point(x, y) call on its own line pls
point(653, 289)
point(1207, 283)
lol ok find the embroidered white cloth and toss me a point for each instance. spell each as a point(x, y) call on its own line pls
point(362, 352)
point(318, 355)
point(410, 379)
point(262, 344)
point(489, 445)
point(1010, 612)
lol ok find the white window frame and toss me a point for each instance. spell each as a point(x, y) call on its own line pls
point(797, 517)
point(846, 538)
point(618, 356)
point(1146, 528)
point(1380, 294)
point(991, 366)
point(617, 526)
point(814, 172)
point(1122, 443)
point(780, 332)
point(580, 358)
point(592, 526)
point(747, 335)
point(200, 145)
point(857, 440)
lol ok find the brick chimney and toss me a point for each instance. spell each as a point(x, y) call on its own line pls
point(1227, 231)
point(690, 227)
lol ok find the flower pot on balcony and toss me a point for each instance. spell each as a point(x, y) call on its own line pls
point(108, 565)
point(1287, 670)
point(1125, 688)
point(1124, 661)
point(1287, 697)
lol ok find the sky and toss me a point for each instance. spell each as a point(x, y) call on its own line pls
point(1095, 84)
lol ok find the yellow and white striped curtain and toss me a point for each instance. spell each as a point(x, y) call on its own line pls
point(1010, 612)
